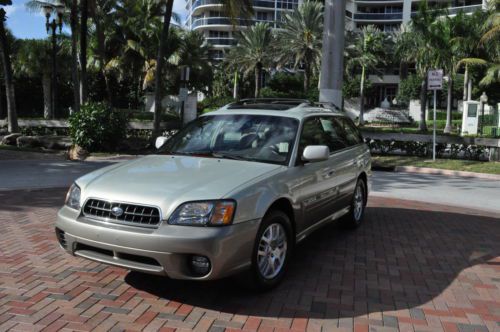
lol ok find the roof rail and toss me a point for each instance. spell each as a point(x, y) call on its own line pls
point(328, 105)
point(267, 103)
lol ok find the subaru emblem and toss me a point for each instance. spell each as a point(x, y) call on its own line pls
point(117, 211)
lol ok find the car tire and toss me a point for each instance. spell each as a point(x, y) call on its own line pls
point(275, 223)
point(358, 204)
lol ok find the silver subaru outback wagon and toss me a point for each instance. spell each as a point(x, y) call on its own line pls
point(234, 190)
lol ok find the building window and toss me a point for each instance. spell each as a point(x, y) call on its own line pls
point(261, 16)
point(218, 34)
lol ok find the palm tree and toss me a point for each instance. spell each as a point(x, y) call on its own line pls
point(489, 41)
point(252, 52)
point(103, 41)
point(33, 60)
point(84, 14)
point(367, 53)
point(7, 69)
point(299, 40)
point(478, 47)
point(167, 14)
point(415, 44)
point(37, 6)
point(74, 55)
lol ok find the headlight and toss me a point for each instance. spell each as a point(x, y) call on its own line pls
point(73, 197)
point(211, 213)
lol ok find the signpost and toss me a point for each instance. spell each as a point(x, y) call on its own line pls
point(434, 82)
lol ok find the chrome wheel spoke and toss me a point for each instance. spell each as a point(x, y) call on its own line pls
point(271, 253)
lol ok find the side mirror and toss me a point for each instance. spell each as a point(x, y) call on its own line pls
point(160, 141)
point(315, 153)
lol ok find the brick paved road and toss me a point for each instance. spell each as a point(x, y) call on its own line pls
point(411, 267)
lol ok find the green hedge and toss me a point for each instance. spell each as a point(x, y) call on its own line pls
point(148, 116)
point(440, 115)
point(96, 127)
point(440, 124)
point(488, 131)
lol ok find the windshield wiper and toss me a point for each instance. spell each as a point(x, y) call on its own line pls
point(228, 156)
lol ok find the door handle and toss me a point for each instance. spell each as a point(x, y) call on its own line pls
point(329, 173)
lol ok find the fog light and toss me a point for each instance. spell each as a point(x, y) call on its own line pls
point(200, 265)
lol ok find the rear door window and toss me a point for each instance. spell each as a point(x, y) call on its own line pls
point(348, 130)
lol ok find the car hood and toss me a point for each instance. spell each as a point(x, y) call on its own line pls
point(167, 181)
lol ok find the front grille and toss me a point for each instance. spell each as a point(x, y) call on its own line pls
point(136, 215)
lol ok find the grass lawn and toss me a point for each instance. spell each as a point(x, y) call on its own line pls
point(388, 162)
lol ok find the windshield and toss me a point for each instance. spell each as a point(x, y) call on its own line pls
point(258, 138)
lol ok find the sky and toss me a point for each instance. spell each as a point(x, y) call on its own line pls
point(25, 24)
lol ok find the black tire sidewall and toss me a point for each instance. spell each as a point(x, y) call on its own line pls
point(271, 217)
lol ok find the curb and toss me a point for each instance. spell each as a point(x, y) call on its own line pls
point(446, 172)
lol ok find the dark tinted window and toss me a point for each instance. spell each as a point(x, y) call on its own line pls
point(348, 130)
point(322, 131)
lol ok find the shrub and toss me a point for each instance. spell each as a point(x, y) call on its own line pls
point(96, 127)
point(286, 83)
point(351, 87)
point(212, 103)
point(440, 115)
point(267, 92)
point(409, 88)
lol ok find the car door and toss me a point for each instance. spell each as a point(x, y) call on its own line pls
point(353, 158)
point(320, 184)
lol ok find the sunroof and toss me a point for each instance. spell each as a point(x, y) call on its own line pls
point(268, 104)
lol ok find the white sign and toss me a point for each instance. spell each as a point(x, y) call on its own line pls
point(435, 79)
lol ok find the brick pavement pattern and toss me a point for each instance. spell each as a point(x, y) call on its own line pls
point(409, 267)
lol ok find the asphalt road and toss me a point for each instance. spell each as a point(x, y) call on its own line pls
point(463, 192)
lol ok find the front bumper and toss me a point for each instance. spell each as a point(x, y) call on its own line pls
point(166, 250)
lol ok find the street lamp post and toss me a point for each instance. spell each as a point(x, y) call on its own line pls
point(57, 22)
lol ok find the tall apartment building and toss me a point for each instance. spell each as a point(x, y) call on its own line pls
point(208, 17)
point(388, 15)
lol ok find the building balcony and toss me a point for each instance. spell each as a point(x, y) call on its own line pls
point(384, 79)
point(375, 17)
point(223, 22)
point(378, 2)
point(213, 41)
point(198, 5)
point(456, 10)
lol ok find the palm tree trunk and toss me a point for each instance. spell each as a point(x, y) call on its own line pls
point(448, 128)
point(74, 55)
point(466, 81)
point(258, 79)
point(159, 66)
point(83, 51)
point(307, 75)
point(403, 70)
point(47, 96)
point(362, 97)
point(423, 104)
point(12, 124)
point(235, 87)
point(101, 49)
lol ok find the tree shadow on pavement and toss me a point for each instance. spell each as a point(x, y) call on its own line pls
point(400, 258)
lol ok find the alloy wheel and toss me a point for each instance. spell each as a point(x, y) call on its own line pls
point(271, 253)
